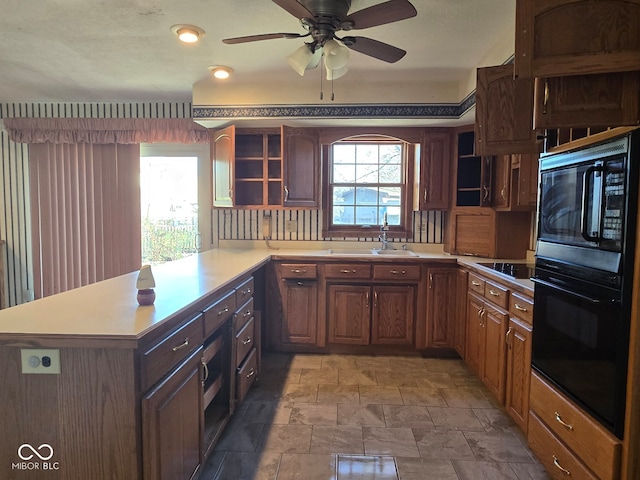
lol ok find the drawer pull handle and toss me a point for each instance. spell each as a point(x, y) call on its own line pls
point(251, 373)
point(248, 313)
point(556, 463)
point(223, 311)
point(494, 293)
point(245, 292)
point(563, 423)
point(184, 343)
point(401, 272)
point(297, 270)
point(475, 284)
point(518, 307)
point(348, 271)
point(247, 341)
point(206, 371)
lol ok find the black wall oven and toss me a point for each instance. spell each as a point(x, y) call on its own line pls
point(584, 274)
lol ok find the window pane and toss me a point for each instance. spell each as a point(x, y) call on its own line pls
point(391, 154)
point(343, 196)
point(367, 196)
point(343, 215)
point(366, 215)
point(344, 174)
point(390, 174)
point(367, 173)
point(344, 153)
point(367, 154)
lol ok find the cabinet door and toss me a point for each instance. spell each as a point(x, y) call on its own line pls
point(435, 158)
point(527, 194)
point(460, 320)
point(569, 37)
point(172, 424)
point(475, 332)
point(299, 313)
point(502, 182)
point(441, 294)
point(301, 163)
point(472, 233)
point(393, 315)
point(494, 371)
point(504, 112)
point(349, 314)
point(518, 372)
point(582, 101)
point(223, 146)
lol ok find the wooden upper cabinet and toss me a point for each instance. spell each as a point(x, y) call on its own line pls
point(571, 37)
point(502, 182)
point(223, 157)
point(301, 167)
point(504, 113)
point(435, 161)
point(583, 101)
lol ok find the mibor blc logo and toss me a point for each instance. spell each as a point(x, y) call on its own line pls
point(35, 458)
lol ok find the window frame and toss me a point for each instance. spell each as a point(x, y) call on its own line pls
point(405, 229)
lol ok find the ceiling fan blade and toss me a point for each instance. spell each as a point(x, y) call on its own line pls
point(374, 48)
point(387, 12)
point(294, 7)
point(264, 36)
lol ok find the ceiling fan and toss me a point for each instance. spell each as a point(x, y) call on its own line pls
point(323, 18)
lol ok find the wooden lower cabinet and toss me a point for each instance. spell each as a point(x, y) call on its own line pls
point(460, 319)
point(475, 333)
point(494, 367)
point(392, 315)
point(349, 314)
point(518, 372)
point(441, 288)
point(171, 418)
point(366, 315)
point(299, 312)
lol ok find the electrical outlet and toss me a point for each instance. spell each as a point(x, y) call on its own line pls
point(40, 360)
point(291, 226)
point(423, 228)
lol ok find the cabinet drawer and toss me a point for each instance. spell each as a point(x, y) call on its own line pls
point(358, 270)
point(557, 459)
point(496, 294)
point(521, 307)
point(219, 312)
point(244, 342)
point(298, 270)
point(476, 284)
point(242, 315)
point(244, 292)
point(162, 357)
point(594, 445)
point(396, 272)
point(246, 375)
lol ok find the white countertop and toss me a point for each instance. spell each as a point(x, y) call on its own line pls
point(109, 309)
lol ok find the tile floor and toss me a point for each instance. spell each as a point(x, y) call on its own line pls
point(346, 417)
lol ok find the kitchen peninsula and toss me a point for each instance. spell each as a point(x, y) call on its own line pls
point(122, 405)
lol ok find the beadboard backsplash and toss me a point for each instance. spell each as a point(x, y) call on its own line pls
point(306, 225)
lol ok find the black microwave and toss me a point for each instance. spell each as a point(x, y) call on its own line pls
point(587, 204)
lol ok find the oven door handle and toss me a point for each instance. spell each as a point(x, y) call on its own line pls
point(566, 290)
point(586, 185)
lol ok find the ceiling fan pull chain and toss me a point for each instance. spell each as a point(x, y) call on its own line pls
point(321, 94)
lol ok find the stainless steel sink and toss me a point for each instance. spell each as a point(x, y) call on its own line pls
point(395, 253)
point(353, 252)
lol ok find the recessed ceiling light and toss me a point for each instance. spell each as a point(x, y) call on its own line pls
point(187, 33)
point(220, 71)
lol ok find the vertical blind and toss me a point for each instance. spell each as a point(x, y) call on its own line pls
point(85, 212)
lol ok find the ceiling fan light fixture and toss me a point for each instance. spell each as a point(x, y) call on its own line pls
point(303, 58)
point(335, 55)
point(334, 74)
point(187, 33)
point(220, 71)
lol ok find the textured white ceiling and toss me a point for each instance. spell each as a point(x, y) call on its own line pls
point(123, 50)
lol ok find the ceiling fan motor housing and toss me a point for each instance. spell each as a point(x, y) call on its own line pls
point(328, 8)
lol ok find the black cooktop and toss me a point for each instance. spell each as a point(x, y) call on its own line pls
point(515, 270)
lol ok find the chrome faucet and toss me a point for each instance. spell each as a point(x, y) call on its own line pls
point(383, 236)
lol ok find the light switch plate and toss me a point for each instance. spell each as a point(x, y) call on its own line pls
point(291, 226)
point(40, 360)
